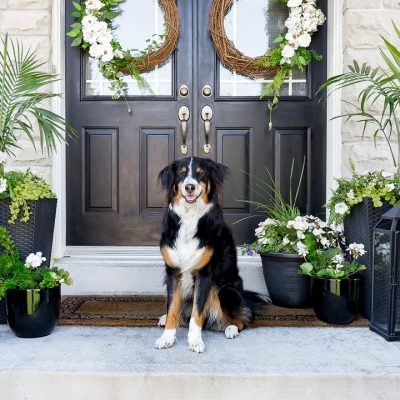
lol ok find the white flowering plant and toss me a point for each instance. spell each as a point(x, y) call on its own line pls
point(321, 245)
point(93, 32)
point(293, 46)
point(30, 273)
point(379, 186)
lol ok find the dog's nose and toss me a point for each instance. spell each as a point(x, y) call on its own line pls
point(189, 188)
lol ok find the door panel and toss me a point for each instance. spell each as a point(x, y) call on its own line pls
point(112, 166)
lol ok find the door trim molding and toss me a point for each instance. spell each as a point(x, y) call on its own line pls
point(333, 140)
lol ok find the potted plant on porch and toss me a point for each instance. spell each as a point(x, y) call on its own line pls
point(32, 290)
point(27, 204)
point(334, 288)
point(361, 200)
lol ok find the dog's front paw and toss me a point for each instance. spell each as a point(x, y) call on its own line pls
point(196, 344)
point(231, 331)
point(167, 339)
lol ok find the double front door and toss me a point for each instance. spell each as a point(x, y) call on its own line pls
point(196, 107)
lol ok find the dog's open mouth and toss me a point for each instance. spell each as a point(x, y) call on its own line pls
point(191, 198)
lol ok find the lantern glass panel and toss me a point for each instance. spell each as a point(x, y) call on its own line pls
point(381, 277)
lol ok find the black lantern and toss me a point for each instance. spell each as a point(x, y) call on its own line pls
point(385, 318)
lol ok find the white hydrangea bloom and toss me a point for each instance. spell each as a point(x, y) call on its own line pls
point(304, 40)
point(341, 208)
point(3, 185)
point(94, 5)
point(294, 3)
point(288, 51)
point(34, 260)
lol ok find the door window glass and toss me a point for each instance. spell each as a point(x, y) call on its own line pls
point(252, 25)
point(139, 20)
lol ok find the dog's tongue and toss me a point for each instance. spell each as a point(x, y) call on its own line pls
point(191, 197)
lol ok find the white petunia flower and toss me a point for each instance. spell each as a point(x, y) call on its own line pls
point(356, 250)
point(390, 187)
point(294, 3)
point(285, 240)
point(94, 5)
point(3, 157)
point(304, 40)
point(302, 249)
point(288, 51)
point(387, 174)
point(341, 208)
point(3, 185)
point(118, 53)
point(34, 260)
point(108, 53)
point(96, 51)
point(350, 194)
point(325, 242)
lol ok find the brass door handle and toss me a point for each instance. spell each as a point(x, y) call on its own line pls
point(206, 115)
point(183, 115)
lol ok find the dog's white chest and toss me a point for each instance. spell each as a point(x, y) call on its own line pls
point(186, 252)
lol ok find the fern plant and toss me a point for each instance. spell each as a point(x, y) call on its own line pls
point(379, 86)
point(23, 89)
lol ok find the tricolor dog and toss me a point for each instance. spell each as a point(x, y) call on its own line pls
point(204, 289)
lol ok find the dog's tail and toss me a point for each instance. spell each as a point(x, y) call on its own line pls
point(255, 301)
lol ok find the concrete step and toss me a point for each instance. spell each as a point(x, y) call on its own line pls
point(102, 363)
point(134, 270)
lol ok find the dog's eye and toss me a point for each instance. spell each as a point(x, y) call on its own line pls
point(182, 172)
point(199, 172)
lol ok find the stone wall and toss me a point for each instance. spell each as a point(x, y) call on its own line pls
point(30, 22)
point(363, 23)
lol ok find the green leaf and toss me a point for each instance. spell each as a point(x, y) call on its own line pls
point(306, 268)
point(77, 41)
point(279, 39)
point(77, 5)
point(73, 33)
point(76, 14)
point(76, 25)
point(302, 60)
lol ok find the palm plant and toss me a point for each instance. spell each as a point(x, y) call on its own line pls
point(380, 86)
point(22, 93)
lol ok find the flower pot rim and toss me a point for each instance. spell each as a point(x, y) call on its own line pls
point(32, 290)
point(281, 255)
point(333, 279)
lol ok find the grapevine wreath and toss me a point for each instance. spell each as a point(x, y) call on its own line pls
point(93, 32)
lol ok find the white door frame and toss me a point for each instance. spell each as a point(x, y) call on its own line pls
point(334, 142)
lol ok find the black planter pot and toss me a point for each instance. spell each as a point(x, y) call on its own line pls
point(286, 287)
point(335, 301)
point(31, 236)
point(33, 313)
point(358, 227)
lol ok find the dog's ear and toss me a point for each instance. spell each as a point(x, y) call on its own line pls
point(167, 176)
point(218, 172)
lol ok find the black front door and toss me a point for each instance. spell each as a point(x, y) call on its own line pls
point(112, 192)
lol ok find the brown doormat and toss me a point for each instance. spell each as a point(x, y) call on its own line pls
point(145, 311)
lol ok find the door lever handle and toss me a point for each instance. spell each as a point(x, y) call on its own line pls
point(184, 115)
point(206, 115)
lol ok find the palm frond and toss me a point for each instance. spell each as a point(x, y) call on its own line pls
point(23, 89)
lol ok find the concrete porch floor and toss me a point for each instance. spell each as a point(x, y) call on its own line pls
point(262, 363)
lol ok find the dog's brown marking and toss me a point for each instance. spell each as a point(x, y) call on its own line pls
point(172, 320)
point(199, 171)
point(183, 170)
point(166, 257)
point(204, 259)
point(178, 194)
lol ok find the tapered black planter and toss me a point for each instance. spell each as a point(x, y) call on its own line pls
point(32, 236)
point(335, 301)
point(358, 227)
point(286, 287)
point(33, 313)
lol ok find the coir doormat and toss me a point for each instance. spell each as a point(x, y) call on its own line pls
point(146, 310)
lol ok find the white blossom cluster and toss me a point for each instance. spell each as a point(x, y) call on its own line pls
point(304, 19)
point(97, 33)
point(34, 260)
point(384, 251)
point(356, 250)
